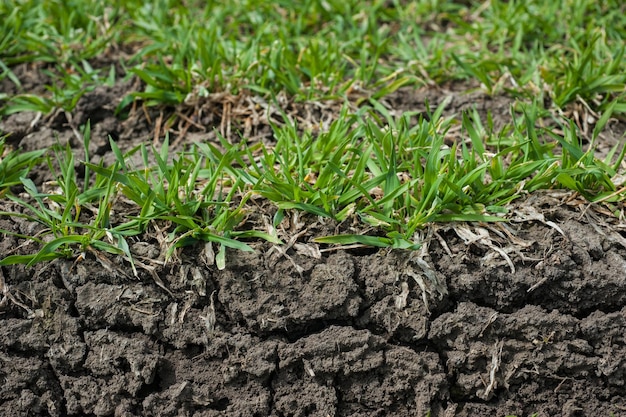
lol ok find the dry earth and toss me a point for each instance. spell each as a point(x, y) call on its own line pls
point(486, 320)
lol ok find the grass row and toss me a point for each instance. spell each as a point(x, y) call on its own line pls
point(563, 51)
point(371, 169)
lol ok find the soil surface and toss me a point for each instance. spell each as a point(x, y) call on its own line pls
point(523, 317)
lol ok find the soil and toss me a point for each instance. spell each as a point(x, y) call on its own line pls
point(503, 319)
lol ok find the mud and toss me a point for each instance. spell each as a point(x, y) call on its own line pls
point(504, 319)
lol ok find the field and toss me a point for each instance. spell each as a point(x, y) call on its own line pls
point(315, 208)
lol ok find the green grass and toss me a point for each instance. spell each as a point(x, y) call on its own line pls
point(386, 174)
point(315, 49)
point(194, 193)
point(15, 165)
